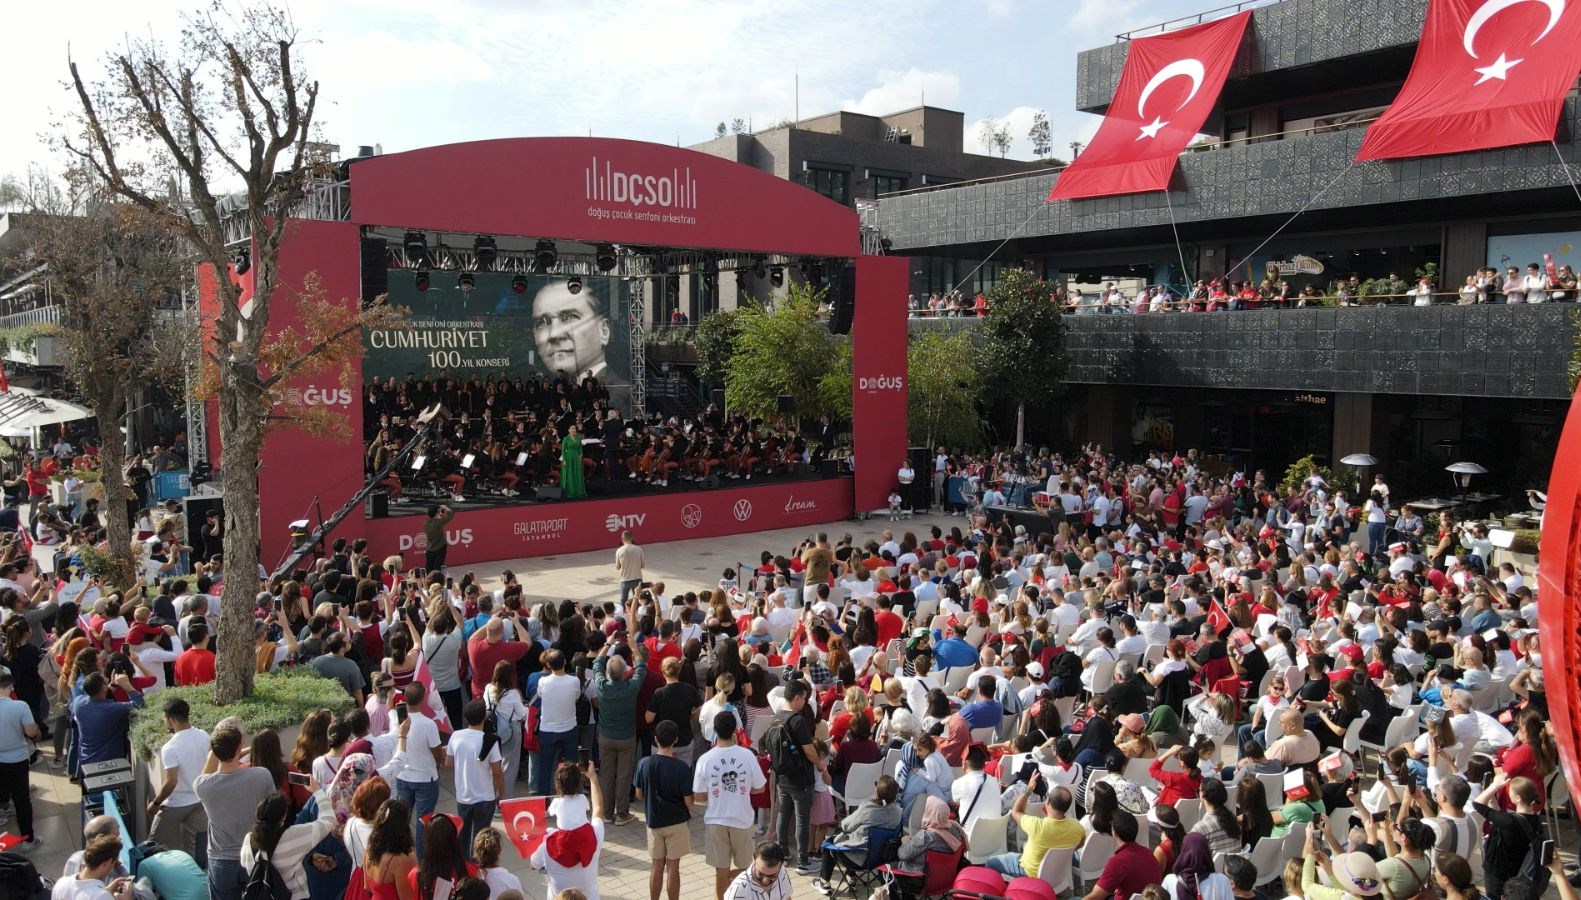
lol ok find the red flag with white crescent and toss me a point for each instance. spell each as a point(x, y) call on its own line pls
point(525, 822)
point(426, 679)
point(1487, 73)
point(1169, 86)
point(1217, 617)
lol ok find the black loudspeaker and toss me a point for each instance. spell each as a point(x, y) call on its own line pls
point(842, 300)
point(718, 398)
point(921, 486)
point(548, 492)
point(375, 269)
point(196, 510)
point(711, 482)
point(787, 404)
point(378, 505)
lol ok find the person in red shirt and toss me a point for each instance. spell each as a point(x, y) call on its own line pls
point(1130, 869)
point(195, 665)
point(663, 646)
point(487, 648)
point(890, 624)
point(1176, 786)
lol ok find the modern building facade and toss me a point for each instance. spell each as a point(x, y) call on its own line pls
point(1408, 385)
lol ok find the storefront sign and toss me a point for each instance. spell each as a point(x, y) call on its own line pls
point(1295, 265)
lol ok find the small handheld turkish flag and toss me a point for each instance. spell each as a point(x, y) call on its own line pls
point(525, 822)
point(1217, 617)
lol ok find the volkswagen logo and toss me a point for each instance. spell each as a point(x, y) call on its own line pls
point(742, 510)
point(691, 515)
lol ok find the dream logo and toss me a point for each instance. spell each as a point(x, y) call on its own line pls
point(691, 515)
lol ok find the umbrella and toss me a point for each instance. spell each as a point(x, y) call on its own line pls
point(27, 409)
point(1360, 460)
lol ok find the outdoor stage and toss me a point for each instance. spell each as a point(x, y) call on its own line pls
point(546, 529)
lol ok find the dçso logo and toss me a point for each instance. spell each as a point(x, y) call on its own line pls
point(460, 537)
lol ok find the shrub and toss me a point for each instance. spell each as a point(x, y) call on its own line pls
point(278, 701)
point(1526, 541)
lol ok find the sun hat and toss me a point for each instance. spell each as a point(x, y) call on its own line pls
point(1355, 873)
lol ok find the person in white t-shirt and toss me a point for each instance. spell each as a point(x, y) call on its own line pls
point(178, 817)
point(570, 851)
point(486, 850)
point(418, 784)
point(725, 779)
point(480, 772)
point(1536, 284)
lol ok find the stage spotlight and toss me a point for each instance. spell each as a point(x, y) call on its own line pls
point(244, 261)
point(759, 269)
point(605, 255)
point(777, 276)
point(465, 282)
point(544, 256)
point(485, 251)
point(519, 284)
point(416, 244)
point(420, 280)
point(574, 285)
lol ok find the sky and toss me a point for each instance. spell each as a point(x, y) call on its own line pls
point(404, 74)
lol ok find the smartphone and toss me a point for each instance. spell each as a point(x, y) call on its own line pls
point(584, 757)
point(401, 712)
point(1545, 853)
point(1380, 815)
point(297, 778)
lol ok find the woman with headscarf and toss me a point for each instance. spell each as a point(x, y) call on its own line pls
point(1193, 877)
point(938, 832)
point(1163, 726)
point(330, 864)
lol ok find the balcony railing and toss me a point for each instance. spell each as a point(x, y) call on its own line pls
point(44, 315)
point(1187, 21)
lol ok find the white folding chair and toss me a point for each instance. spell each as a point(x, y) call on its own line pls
point(861, 782)
point(986, 838)
point(984, 735)
point(1055, 870)
point(1094, 853)
point(1351, 743)
point(1102, 675)
point(955, 678)
point(1402, 728)
point(1268, 858)
point(1274, 787)
point(1190, 811)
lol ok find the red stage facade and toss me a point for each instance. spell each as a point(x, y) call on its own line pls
point(590, 190)
point(1559, 594)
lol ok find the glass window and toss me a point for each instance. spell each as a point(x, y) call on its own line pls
point(888, 184)
point(832, 183)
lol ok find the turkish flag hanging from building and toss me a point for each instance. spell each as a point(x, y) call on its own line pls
point(1487, 73)
point(1169, 86)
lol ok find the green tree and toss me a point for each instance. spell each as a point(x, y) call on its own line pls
point(1022, 353)
point(716, 343)
point(1038, 135)
point(719, 130)
point(787, 349)
point(943, 382)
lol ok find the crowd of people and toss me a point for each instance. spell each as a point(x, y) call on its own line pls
point(1190, 680)
point(1535, 284)
point(506, 437)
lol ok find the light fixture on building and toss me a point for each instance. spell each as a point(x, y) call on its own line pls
point(420, 280)
point(485, 251)
point(416, 244)
point(465, 282)
point(777, 276)
point(759, 270)
point(519, 284)
point(544, 256)
point(574, 284)
point(1461, 472)
point(243, 260)
point(604, 257)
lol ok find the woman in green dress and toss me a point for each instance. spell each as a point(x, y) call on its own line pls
point(571, 476)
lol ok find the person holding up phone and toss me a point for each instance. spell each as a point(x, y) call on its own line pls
point(1510, 835)
point(99, 859)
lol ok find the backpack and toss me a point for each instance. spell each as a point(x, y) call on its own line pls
point(1449, 834)
point(785, 758)
point(19, 880)
point(1532, 871)
point(264, 881)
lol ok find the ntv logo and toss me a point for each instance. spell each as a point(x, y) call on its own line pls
point(610, 185)
point(616, 523)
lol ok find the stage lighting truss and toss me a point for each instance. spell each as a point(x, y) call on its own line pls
point(619, 261)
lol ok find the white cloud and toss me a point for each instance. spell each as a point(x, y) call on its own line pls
point(999, 9)
point(1105, 17)
point(903, 90)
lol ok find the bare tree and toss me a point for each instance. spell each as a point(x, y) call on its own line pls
point(1002, 140)
point(116, 271)
point(738, 125)
point(168, 129)
point(988, 135)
